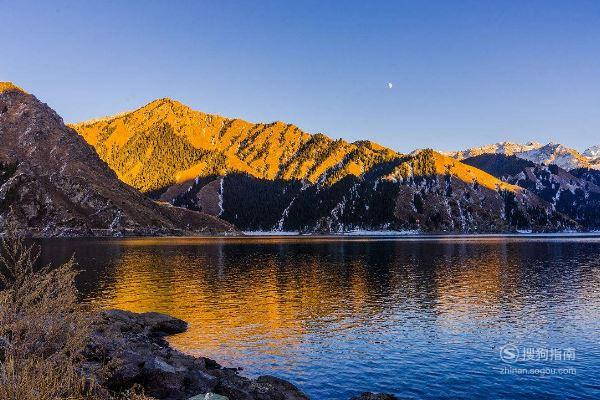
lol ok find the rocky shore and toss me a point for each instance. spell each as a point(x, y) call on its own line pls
point(129, 350)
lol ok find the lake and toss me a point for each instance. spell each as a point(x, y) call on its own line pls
point(446, 317)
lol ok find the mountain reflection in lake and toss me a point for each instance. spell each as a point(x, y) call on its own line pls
point(419, 317)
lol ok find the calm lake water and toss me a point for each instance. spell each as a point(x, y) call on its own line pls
point(419, 317)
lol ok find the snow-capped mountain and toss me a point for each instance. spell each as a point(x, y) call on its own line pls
point(557, 154)
point(551, 153)
point(506, 148)
point(575, 193)
point(592, 152)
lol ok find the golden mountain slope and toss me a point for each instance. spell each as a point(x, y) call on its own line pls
point(165, 146)
point(428, 162)
point(5, 86)
point(166, 142)
point(53, 183)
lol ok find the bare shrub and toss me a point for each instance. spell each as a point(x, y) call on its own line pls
point(43, 328)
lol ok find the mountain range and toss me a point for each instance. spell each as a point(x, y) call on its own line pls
point(551, 153)
point(53, 183)
point(166, 142)
point(575, 193)
point(165, 168)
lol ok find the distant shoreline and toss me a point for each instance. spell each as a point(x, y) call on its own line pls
point(335, 236)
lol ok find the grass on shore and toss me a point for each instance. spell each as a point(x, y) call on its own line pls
point(44, 330)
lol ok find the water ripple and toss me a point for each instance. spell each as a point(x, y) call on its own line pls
point(419, 317)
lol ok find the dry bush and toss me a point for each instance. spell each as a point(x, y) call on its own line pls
point(43, 328)
point(135, 393)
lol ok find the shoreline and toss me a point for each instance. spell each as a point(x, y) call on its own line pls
point(134, 346)
point(333, 236)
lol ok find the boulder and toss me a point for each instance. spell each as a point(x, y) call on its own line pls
point(374, 396)
point(126, 350)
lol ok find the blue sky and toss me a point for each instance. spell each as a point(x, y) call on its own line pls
point(464, 73)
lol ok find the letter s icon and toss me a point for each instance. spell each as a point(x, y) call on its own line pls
point(509, 353)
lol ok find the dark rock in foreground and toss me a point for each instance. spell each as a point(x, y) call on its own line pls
point(134, 348)
point(374, 396)
point(128, 349)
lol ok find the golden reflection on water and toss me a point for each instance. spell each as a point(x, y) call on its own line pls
point(239, 294)
point(472, 286)
point(259, 298)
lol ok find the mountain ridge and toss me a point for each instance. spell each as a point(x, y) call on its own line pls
point(8, 86)
point(427, 192)
point(575, 193)
point(53, 183)
point(274, 176)
point(209, 173)
point(215, 144)
point(551, 153)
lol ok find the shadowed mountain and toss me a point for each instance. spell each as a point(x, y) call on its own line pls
point(427, 192)
point(277, 177)
point(53, 183)
point(499, 165)
point(591, 175)
point(574, 193)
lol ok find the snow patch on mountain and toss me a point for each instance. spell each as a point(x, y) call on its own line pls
point(557, 154)
point(507, 148)
point(592, 152)
point(221, 191)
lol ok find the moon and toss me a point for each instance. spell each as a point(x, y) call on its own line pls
point(390, 85)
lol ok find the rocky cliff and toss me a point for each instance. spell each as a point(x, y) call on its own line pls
point(128, 350)
point(53, 183)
